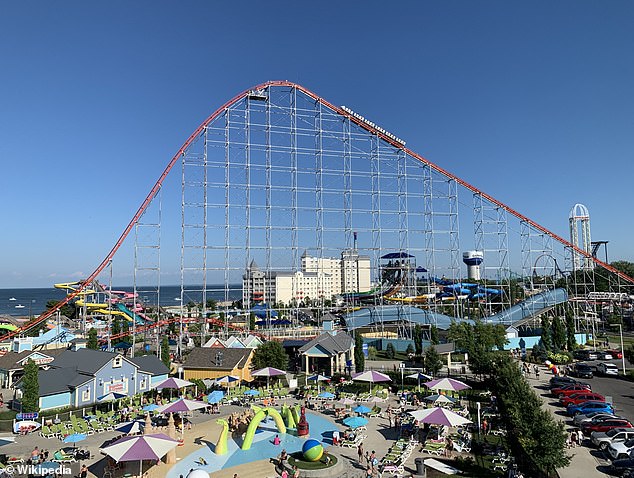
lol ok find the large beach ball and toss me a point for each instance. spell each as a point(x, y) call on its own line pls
point(198, 474)
point(312, 450)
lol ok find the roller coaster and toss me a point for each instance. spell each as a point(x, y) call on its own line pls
point(278, 170)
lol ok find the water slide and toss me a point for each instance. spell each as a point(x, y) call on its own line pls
point(373, 294)
point(394, 313)
point(138, 318)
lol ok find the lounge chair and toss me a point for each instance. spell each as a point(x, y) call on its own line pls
point(60, 457)
point(434, 448)
point(375, 412)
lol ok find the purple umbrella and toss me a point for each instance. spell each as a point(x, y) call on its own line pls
point(143, 447)
point(446, 384)
point(268, 372)
point(181, 405)
point(372, 377)
point(439, 416)
point(173, 382)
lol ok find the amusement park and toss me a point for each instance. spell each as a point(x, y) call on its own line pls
point(317, 301)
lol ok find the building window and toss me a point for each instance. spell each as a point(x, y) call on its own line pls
point(117, 362)
point(142, 385)
point(85, 395)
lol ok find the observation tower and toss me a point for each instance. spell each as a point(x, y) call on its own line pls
point(579, 216)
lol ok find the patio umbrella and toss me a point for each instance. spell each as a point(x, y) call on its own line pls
point(173, 382)
point(361, 409)
point(227, 379)
point(6, 440)
point(355, 422)
point(131, 428)
point(181, 405)
point(439, 416)
point(74, 438)
point(48, 468)
point(371, 376)
point(376, 400)
point(252, 392)
point(268, 372)
point(420, 376)
point(318, 378)
point(347, 401)
point(139, 448)
point(446, 384)
point(437, 398)
point(150, 408)
point(111, 397)
point(215, 396)
point(327, 395)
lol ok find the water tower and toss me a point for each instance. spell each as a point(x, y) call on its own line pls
point(473, 259)
point(579, 216)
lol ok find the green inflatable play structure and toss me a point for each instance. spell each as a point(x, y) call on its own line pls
point(288, 416)
point(261, 414)
point(221, 445)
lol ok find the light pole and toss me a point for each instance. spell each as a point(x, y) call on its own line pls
point(622, 350)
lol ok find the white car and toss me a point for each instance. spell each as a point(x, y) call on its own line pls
point(606, 368)
point(621, 449)
point(605, 439)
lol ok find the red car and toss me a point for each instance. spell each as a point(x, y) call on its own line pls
point(605, 425)
point(570, 389)
point(616, 354)
point(579, 397)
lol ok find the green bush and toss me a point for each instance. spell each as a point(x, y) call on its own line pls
point(559, 358)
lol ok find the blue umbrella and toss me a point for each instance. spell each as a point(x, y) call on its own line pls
point(326, 395)
point(74, 438)
point(355, 422)
point(362, 409)
point(253, 392)
point(215, 396)
point(135, 426)
point(150, 408)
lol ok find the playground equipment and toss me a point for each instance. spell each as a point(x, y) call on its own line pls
point(302, 424)
point(312, 450)
point(221, 444)
point(261, 414)
point(288, 416)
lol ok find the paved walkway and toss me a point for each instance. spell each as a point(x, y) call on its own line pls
point(585, 460)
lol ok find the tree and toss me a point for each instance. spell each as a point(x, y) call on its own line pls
point(165, 352)
point(92, 342)
point(433, 362)
point(389, 351)
point(547, 334)
point(270, 354)
point(559, 334)
point(67, 310)
point(571, 341)
point(30, 388)
point(433, 335)
point(359, 358)
point(116, 328)
point(479, 341)
point(418, 340)
point(251, 321)
point(409, 350)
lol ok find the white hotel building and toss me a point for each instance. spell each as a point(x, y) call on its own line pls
point(320, 278)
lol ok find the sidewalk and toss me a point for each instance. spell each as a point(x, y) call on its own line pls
point(584, 463)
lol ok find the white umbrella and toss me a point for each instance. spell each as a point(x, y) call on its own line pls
point(446, 384)
point(418, 376)
point(268, 372)
point(439, 416)
point(318, 378)
point(347, 401)
point(181, 405)
point(173, 382)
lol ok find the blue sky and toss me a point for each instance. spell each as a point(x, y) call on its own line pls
point(531, 102)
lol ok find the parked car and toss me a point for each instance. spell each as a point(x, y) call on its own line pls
point(581, 370)
point(618, 467)
point(561, 381)
point(586, 407)
point(616, 354)
point(606, 425)
point(620, 449)
point(605, 355)
point(570, 390)
point(607, 368)
point(585, 355)
point(580, 397)
point(597, 416)
point(604, 439)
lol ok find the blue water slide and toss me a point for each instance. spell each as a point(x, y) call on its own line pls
point(395, 313)
point(137, 319)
